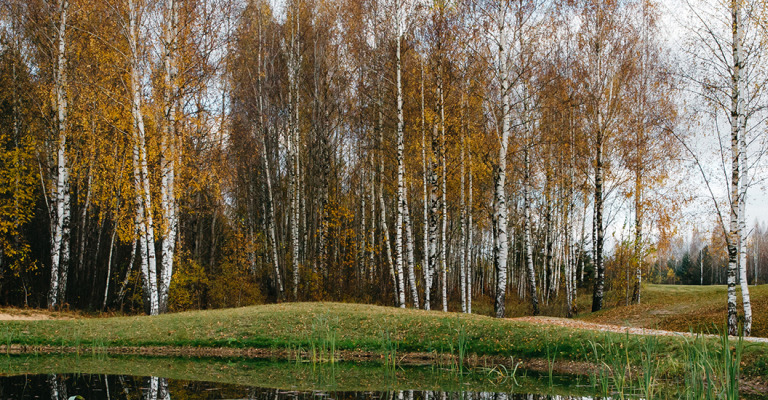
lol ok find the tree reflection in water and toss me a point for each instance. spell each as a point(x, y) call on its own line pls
point(122, 387)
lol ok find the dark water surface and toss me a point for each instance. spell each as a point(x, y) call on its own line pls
point(112, 387)
point(101, 377)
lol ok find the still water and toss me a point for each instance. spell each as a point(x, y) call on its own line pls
point(97, 377)
point(111, 387)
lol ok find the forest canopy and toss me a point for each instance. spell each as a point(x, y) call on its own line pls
point(163, 155)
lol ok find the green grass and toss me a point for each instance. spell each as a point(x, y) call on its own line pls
point(682, 308)
point(356, 327)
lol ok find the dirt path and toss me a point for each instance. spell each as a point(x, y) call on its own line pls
point(27, 315)
point(577, 324)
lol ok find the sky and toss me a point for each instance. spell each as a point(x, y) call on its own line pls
point(677, 22)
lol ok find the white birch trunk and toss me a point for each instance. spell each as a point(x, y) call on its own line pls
point(59, 196)
point(532, 291)
point(433, 217)
point(469, 235)
point(363, 224)
point(746, 301)
point(734, 234)
point(638, 235)
point(141, 174)
point(462, 221)
point(410, 250)
point(293, 149)
point(271, 220)
point(400, 182)
point(425, 200)
point(65, 234)
point(385, 239)
point(597, 298)
point(372, 250)
point(443, 241)
point(500, 197)
point(744, 185)
point(168, 156)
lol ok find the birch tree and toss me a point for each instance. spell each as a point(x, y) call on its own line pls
point(60, 197)
point(726, 72)
point(144, 220)
point(500, 175)
point(401, 200)
point(168, 153)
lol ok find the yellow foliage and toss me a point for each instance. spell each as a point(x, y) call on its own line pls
point(189, 285)
point(234, 284)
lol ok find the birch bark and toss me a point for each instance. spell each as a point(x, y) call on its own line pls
point(294, 61)
point(500, 197)
point(734, 234)
point(60, 195)
point(410, 250)
point(532, 291)
point(141, 173)
point(462, 221)
point(168, 155)
point(469, 235)
point(271, 221)
point(745, 299)
point(400, 183)
point(425, 201)
point(443, 241)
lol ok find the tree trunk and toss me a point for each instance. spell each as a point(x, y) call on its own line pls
point(463, 222)
point(500, 197)
point(528, 245)
point(597, 297)
point(59, 216)
point(443, 241)
point(109, 267)
point(141, 175)
point(126, 279)
point(271, 219)
point(400, 183)
point(293, 149)
point(469, 236)
point(433, 215)
point(638, 234)
point(747, 303)
point(425, 201)
point(409, 247)
point(383, 208)
point(444, 189)
point(168, 156)
point(734, 234)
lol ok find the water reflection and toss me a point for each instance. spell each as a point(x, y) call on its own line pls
point(120, 387)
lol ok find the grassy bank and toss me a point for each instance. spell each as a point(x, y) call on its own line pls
point(332, 327)
point(682, 308)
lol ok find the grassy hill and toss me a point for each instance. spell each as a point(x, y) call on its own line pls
point(683, 308)
point(372, 331)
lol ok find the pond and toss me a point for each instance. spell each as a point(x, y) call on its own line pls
point(94, 376)
point(108, 387)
